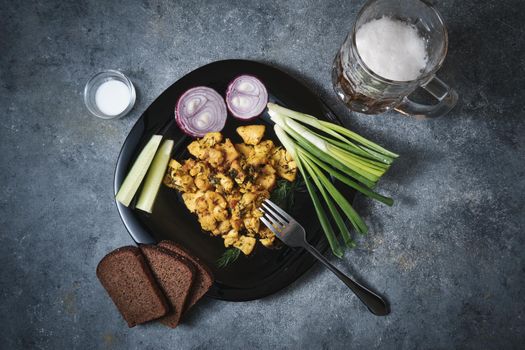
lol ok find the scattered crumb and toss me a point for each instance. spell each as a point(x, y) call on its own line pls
point(406, 263)
point(109, 339)
point(70, 303)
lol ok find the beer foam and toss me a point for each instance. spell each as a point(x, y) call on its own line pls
point(392, 49)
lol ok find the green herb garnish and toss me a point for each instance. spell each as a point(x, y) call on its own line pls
point(284, 193)
point(229, 256)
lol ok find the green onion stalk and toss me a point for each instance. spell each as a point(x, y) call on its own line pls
point(332, 152)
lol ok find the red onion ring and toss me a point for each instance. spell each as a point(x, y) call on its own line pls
point(200, 110)
point(246, 97)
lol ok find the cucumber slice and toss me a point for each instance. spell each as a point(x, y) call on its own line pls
point(135, 176)
point(154, 178)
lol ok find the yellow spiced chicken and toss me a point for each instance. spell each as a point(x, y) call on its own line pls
point(226, 183)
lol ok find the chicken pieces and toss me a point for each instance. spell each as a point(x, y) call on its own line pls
point(251, 134)
point(226, 183)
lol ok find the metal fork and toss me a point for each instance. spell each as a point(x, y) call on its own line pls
point(293, 234)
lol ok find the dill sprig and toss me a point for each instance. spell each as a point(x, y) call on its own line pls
point(229, 256)
point(284, 193)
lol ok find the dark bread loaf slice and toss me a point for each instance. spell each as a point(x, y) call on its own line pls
point(203, 280)
point(175, 274)
point(131, 285)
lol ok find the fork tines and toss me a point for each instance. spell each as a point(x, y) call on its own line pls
point(274, 217)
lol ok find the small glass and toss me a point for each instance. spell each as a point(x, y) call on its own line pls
point(364, 91)
point(96, 81)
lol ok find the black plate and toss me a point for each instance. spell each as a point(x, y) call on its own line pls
point(265, 271)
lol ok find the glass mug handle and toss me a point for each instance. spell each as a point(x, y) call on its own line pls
point(446, 96)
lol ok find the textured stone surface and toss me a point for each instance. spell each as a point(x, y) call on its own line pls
point(449, 255)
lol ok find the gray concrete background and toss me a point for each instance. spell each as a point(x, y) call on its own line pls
point(449, 255)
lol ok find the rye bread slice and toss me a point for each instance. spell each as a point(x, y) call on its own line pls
point(175, 275)
point(131, 285)
point(203, 280)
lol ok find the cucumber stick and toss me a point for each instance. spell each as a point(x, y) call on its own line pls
point(154, 177)
point(135, 176)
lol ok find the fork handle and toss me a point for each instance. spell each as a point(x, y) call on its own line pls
point(374, 302)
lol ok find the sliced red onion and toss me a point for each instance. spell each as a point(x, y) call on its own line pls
point(200, 110)
point(246, 97)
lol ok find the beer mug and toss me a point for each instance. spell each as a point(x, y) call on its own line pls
point(365, 90)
